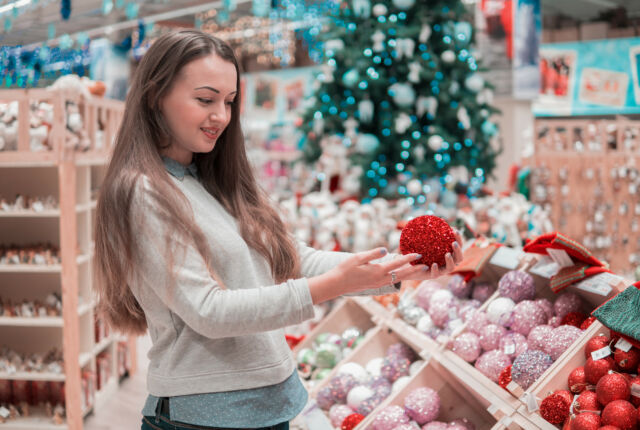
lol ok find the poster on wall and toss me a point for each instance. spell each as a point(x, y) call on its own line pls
point(294, 94)
point(603, 87)
point(557, 69)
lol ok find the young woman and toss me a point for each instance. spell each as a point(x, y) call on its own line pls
point(189, 246)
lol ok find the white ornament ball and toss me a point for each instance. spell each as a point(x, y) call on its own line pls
point(357, 395)
point(448, 56)
point(414, 187)
point(379, 10)
point(425, 324)
point(355, 370)
point(499, 311)
point(415, 367)
point(442, 295)
point(403, 4)
point(400, 383)
point(435, 142)
point(374, 367)
point(474, 83)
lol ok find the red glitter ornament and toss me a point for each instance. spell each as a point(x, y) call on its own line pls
point(555, 409)
point(586, 421)
point(633, 399)
point(621, 414)
point(594, 370)
point(594, 344)
point(430, 236)
point(586, 323)
point(627, 361)
point(568, 396)
point(609, 428)
point(351, 421)
point(612, 387)
point(573, 318)
point(577, 381)
point(587, 402)
point(505, 377)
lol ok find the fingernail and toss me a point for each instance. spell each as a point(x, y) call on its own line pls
point(418, 256)
point(425, 269)
point(383, 251)
point(448, 255)
point(456, 245)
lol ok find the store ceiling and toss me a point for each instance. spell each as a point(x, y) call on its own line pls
point(32, 25)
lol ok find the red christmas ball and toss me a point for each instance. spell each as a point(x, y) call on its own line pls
point(351, 421)
point(635, 400)
point(594, 344)
point(627, 361)
point(587, 402)
point(573, 318)
point(621, 414)
point(568, 396)
point(505, 377)
point(594, 370)
point(430, 236)
point(586, 323)
point(609, 428)
point(612, 387)
point(586, 421)
point(577, 380)
point(555, 408)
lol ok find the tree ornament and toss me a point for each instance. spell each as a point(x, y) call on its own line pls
point(612, 386)
point(350, 126)
point(429, 236)
point(338, 413)
point(474, 83)
point(390, 418)
point(627, 360)
point(561, 339)
point(422, 405)
point(414, 72)
point(555, 409)
point(367, 143)
point(419, 152)
point(362, 8)
point(425, 33)
point(402, 123)
point(351, 78)
point(365, 110)
point(454, 88)
point(357, 395)
point(435, 143)
point(586, 323)
point(427, 105)
point(380, 10)
point(403, 94)
point(529, 366)
point(485, 97)
point(318, 126)
point(378, 39)
point(573, 318)
point(587, 401)
point(621, 414)
point(405, 47)
point(505, 377)
point(577, 380)
point(594, 370)
point(594, 344)
point(403, 4)
point(463, 117)
point(334, 45)
point(327, 73)
point(463, 29)
point(586, 421)
point(517, 286)
point(491, 363)
point(414, 187)
point(448, 56)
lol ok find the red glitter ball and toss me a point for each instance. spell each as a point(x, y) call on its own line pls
point(633, 399)
point(573, 318)
point(594, 370)
point(609, 428)
point(594, 344)
point(351, 421)
point(586, 421)
point(621, 414)
point(577, 381)
point(587, 402)
point(612, 387)
point(555, 409)
point(568, 396)
point(586, 323)
point(627, 361)
point(430, 236)
point(505, 377)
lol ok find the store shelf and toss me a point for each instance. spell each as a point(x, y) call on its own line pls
point(50, 213)
point(85, 358)
point(30, 268)
point(21, 159)
point(32, 376)
point(103, 344)
point(83, 258)
point(85, 308)
point(31, 321)
point(32, 423)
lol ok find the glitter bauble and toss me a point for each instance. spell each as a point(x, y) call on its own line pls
point(587, 401)
point(354, 369)
point(539, 337)
point(467, 346)
point(529, 366)
point(424, 291)
point(527, 315)
point(338, 413)
point(633, 398)
point(612, 386)
point(513, 344)
point(350, 335)
point(490, 336)
point(389, 418)
point(546, 306)
point(566, 394)
point(436, 425)
point(459, 287)
point(410, 426)
point(324, 398)
point(400, 383)
point(499, 311)
point(395, 366)
point(340, 386)
point(567, 302)
point(380, 385)
point(425, 324)
point(306, 356)
point(328, 355)
point(429, 236)
point(320, 374)
point(357, 395)
point(627, 361)
point(586, 323)
point(586, 421)
point(505, 377)
point(577, 380)
point(609, 428)
point(517, 286)
point(554, 322)
point(594, 370)
point(401, 350)
point(413, 315)
point(461, 424)
point(481, 292)
point(422, 405)
point(367, 406)
point(594, 344)
point(491, 363)
point(561, 339)
point(351, 421)
point(621, 414)
point(374, 366)
point(555, 409)
point(440, 310)
point(466, 307)
point(573, 318)
point(476, 320)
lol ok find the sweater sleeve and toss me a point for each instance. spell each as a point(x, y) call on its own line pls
point(193, 294)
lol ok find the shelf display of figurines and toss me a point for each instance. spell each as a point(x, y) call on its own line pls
point(20, 398)
point(28, 203)
point(13, 362)
point(38, 254)
point(50, 307)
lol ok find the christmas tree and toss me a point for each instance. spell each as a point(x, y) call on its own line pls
point(401, 96)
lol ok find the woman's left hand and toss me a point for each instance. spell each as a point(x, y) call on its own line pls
point(435, 271)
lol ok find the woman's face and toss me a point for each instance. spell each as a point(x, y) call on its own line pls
point(198, 106)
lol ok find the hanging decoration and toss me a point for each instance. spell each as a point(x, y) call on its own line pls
point(65, 9)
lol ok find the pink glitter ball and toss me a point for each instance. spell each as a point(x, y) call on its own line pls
point(424, 292)
point(370, 404)
point(513, 344)
point(529, 366)
point(482, 292)
point(409, 426)
point(527, 315)
point(476, 320)
point(467, 346)
point(554, 321)
point(436, 425)
point(390, 418)
point(459, 287)
point(567, 302)
point(491, 364)
point(517, 286)
point(324, 398)
point(490, 336)
point(338, 413)
point(466, 307)
point(402, 350)
point(539, 337)
point(547, 306)
point(500, 311)
point(422, 405)
point(381, 386)
point(439, 311)
point(461, 424)
point(394, 367)
point(340, 386)
point(561, 338)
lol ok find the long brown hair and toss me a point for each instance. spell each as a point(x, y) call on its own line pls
point(224, 172)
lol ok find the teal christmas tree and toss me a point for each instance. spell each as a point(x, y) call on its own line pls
point(401, 94)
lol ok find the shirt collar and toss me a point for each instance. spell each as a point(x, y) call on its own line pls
point(178, 170)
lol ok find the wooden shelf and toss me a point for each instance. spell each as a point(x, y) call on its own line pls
point(30, 268)
point(32, 376)
point(49, 213)
point(84, 359)
point(85, 308)
point(32, 423)
point(31, 321)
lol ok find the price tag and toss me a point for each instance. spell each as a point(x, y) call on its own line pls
point(4, 412)
point(509, 349)
point(545, 267)
point(601, 353)
point(560, 256)
point(623, 345)
point(531, 402)
point(599, 284)
point(635, 390)
point(506, 257)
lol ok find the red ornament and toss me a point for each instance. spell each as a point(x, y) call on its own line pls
point(555, 409)
point(635, 400)
point(351, 421)
point(609, 428)
point(594, 370)
point(594, 344)
point(621, 414)
point(587, 402)
point(505, 377)
point(586, 421)
point(586, 323)
point(573, 318)
point(568, 396)
point(612, 387)
point(577, 381)
point(627, 361)
point(430, 236)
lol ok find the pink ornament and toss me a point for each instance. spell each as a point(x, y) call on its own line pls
point(422, 405)
point(529, 366)
point(466, 307)
point(467, 346)
point(461, 424)
point(527, 315)
point(381, 386)
point(476, 320)
point(555, 322)
point(401, 350)
point(567, 302)
point(517, 286)
point(459, 287)
point(539, 337)
point(390, 418)
point(561, 338)
point(439, 309)
point(371, 403)
point(424, 292)
point(338, 413)
point(500, 310)
point(340, 386)
point(324, 398)
point(513, 344)
point(547, 306)
point(490, 336)
point(406, 427)
point(491, 364)
point(436, 425)
point(394, 366)
point(482, 292)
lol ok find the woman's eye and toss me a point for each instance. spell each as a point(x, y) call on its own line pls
point(205, 101)
point(231, 102)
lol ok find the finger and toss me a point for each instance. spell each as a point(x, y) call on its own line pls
point(435, 270)
point(450, 263)
point(365, 257)
point(458, 237)
point(411, 272)
point(396, 263)
point(457, 253)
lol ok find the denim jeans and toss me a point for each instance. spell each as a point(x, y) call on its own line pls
point(164, 423)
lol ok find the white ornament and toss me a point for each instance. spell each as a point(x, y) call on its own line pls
point(485, 97)
point(374, 367)
point(327, 72)
point(425, 33)
point(484, 113)
point(405, 47)
point(463, 117)
point(378, 39)
point(379, 10)
point(365, 108)
point(362, 8)
point(419, 152)
point(442, 295)
point(318, 126)
point(448, 56)
point(425, 324)
point(454, 88)
point(350, 126)
point(435, 143)
point(414, 72)
point(474, 83)
point(403, 122)
point(357, 395)
point(499, 310)
point(403, 4)
point(334, 45)
point(400, 383)
point(427, 104)
point(414, 187)
point(355, 370)
point(403, 94)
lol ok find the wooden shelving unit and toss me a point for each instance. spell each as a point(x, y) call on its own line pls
point(70, 176)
